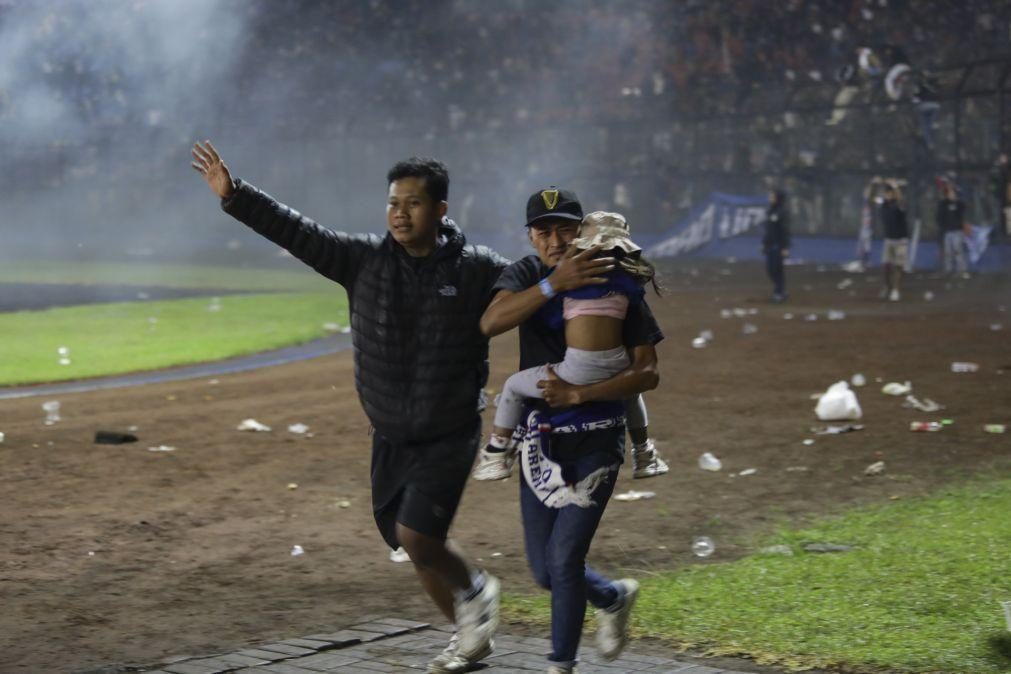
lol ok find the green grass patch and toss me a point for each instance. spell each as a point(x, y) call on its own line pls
point(116, 338)
point(296, 279)
point(919, 593)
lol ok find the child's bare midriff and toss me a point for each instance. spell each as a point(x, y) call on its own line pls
point(593, 333)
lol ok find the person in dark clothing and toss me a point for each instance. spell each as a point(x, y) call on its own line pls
point(776, 242)
point(578, 431)
point(416, 296)
point(895, 254)
point(951, 227)
point(1000, 197)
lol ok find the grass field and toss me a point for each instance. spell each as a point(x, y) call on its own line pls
point(296, 279)
point(919, 592)
point(116, 338)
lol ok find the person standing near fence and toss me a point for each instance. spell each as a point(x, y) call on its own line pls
point(776, 242)
point(895, 253)
point(952, 227)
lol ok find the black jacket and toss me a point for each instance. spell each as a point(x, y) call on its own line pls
point(777, 226)
point(950, 215)
point(421, 361)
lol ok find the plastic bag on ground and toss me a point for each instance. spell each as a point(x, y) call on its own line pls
point(838, 403)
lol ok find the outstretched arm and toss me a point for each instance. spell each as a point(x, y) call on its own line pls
point(642, 375)
point(333, 254)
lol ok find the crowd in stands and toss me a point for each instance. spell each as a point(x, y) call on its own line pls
point(656, 102)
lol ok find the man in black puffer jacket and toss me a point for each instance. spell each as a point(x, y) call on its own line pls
point(416, 297)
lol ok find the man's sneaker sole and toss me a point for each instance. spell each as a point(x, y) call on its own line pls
point(459, 663)
point(611, 652)
point(487, 625)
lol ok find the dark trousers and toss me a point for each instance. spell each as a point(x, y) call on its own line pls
point(774, 267)
point(557, 540)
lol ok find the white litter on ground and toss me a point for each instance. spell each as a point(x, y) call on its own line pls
point(252, 425)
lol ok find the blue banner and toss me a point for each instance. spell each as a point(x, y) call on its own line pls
point(722, 216)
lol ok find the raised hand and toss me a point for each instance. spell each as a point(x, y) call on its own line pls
point(580, 268)
point(207, 163)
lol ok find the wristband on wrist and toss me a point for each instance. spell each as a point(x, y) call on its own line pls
point(546, 288)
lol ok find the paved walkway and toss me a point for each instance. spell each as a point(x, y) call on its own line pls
point(394, 645)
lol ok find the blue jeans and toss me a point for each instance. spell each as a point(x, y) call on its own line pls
point(557, 540)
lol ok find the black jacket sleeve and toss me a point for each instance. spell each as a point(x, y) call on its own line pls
point(335, 255)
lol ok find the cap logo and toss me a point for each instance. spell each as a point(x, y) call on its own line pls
point(550, 198)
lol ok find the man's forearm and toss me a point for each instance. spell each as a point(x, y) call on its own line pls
point(509, 309)
point(626, 384)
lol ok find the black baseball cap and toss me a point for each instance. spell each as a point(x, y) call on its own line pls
point(553, 203)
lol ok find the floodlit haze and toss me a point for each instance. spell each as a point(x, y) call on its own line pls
point(100, 102)
point(642, 106)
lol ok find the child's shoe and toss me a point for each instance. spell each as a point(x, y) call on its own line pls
point(646, 461)
point(494, 465)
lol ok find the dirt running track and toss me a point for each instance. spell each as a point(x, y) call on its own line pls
point(116, 554)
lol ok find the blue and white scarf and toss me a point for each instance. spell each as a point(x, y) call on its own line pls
point(544, 476)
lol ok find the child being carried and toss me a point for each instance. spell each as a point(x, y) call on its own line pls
point(593, 321)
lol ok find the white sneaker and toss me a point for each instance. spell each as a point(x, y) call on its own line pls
point(563, 669)
point(646, 461)
point(450, 660)
point(612, 627)
point(894, 295)
point(494, 465)
point(477, 620)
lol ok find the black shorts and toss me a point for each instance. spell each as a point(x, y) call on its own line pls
point(420, 485)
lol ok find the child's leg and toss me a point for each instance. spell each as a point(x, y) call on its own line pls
point(646, 460)
point(495, 461)
point(637, 420)
point(517, 388)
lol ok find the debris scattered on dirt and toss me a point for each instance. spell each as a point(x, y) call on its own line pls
point(837, 430)
point(703, 546)
point(633, 495)
point(298, 429)
point(858, 380)
point(925, 405)
point(875, 468)
point(52, 410)
point(162, 448)
point(252, 425)
point(708, 461)
point(894, 388)
point(962, 366)
point(925, 426)
point(113, 438)
point(837, 403)
point(297, 550)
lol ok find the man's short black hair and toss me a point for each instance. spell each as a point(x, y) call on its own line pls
point(434, 172)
